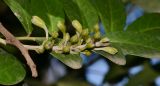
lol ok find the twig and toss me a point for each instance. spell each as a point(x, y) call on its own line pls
point(10, 39)
point(31, 38)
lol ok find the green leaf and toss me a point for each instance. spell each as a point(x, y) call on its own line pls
point(112, 14)
point(88, 12)
point(81, 10)
point(118, 58)
point(51, 11)
point(139, 51)
point(21, 13)
point(72, 10)
point(146, 23)
point(11, 71)
point(72, 60)
point(138, 44)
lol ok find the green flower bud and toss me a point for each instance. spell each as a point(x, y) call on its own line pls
point(85, 32)
point(87, 53)
point(100, 44)
point(110, 50)
point(74, 39)
point(104, 40)
point(66, 49)
point(88, 40)
point(76, 24)
point(61, 26)
point(96, 27)
point(55, 35)
point(38, 22)
point(97, 35)
point(89, 45)
point(81, 47)
point(67, 37)
point(40, 50)
point(48, 45)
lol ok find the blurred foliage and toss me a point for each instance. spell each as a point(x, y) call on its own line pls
point(148, 5)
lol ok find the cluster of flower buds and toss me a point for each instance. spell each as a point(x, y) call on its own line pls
point(81, 42)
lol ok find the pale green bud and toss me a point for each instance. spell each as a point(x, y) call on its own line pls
point(85, 32)
point(89, 45)
point(66, 49)
point(110, 50)
point(38, 22)
point(49, 44)
point(61, 26)
point(88, 40)
point(96, 27)
point(74, 39)
point(67, 37)
point(55, 34)
point(87, 53)
point(100, 44)
point(104, 40)
point(40, 50)
point(76, 24)
point(81, 47)
point(97, 35)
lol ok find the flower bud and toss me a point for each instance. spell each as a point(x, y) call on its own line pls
point(89, 45)
point(76, 24)
point(61, 26)
point(48, 45)
point(85, 32)
point(110, 50)
point(74, 39)
point(66, 49)
point(55, 34)
point(104, 40)
point(40, 50)
point(97, 35)
point(38, 22)
point(81, 47)
point(67, 37)
point(88, 40)
point(87, 53)
point(96, 27)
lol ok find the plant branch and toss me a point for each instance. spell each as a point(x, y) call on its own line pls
point(32, 47)
point(31, 38)
point(10, 39)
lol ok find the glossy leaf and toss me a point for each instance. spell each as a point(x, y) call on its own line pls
point(146, 23)
point(11, 71)
point(112, 14)
point(21, 12)
point(88, 12)
point(138, 44)
point(51, 11)
point(118, 58)
point(72, 60)
point(72, 10)
point(81, 10)
point(139, 51)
